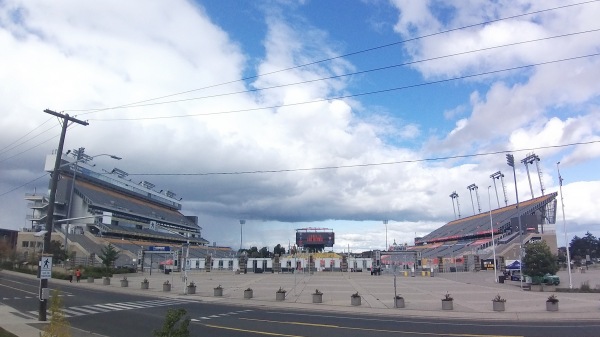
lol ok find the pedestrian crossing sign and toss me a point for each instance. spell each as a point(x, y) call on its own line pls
point(46, 267)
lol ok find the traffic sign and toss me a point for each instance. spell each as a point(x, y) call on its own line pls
point(46, 267)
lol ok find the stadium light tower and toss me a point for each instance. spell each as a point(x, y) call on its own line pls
point(562, 201)
point(495, 176)
point(493, 242)
point(510, 160)
point(454, 195)
point(472, 188)
point(530, 159)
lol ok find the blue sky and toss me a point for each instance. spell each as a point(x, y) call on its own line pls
point(75, 57)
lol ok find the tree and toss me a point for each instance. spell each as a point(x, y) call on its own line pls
point(579, 248)
point(57, 251)
point(279, 250)
point(538, 260)
point(264, 252)
point(109, 255)
point(169, 328)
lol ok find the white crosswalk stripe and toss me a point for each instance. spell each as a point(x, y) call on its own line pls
point(106, 307)
point(219, 315)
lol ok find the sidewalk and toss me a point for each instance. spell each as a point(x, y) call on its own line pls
point(472, 293)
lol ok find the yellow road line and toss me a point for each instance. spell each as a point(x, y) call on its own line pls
point(250, 331)
point(377, 330)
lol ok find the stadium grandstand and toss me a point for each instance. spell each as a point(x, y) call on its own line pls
point(109, 207)
point(465, 241)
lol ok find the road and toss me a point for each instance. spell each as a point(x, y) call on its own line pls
point(116, 314)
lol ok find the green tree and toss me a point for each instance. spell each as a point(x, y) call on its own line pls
point(538, 260)
point(170, 328)
point(108, 256)
point(587, 245)
point(57, 251)
point(253, 252)
point(279, 250)
point(264, 252)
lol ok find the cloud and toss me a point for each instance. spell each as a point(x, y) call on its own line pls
point(75, 57)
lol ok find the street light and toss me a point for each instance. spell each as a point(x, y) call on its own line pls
point(562, 201)
point(493, 242)
point(385, 222)
point(242, 222)
point(81, 157)
point(41, 234)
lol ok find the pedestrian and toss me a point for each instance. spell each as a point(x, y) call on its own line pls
point(71, 276)
point(78, 275)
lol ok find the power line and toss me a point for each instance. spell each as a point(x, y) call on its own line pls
point(8, 147)
point(37, 145)
point(339, 166)
point(360, 72)
point(23, 185)
point(368, 164)
point(88, 111)
point(350, 95)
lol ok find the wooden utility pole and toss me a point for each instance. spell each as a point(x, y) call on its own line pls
point(50, 210)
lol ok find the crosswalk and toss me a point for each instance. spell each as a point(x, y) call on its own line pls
point(232, 313)
point(105, 307)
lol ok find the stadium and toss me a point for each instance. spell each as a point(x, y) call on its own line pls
point(94, 209)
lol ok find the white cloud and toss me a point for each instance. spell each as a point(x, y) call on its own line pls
point(71, 55)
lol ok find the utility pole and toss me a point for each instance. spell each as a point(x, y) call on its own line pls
point(51, 198)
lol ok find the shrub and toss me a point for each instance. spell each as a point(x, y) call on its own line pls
point(170, 329)
point(447, 297)
point(498, 299)
point(585, 287)
point(552, 299)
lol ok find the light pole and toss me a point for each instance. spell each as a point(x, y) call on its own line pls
point(81, 157)
point(510, 160)
point(562, 201)
point(242, 222)
point(385, 222)
point(493, 242)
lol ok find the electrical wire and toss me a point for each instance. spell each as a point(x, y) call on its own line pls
point(349, 95)
point(8, 147)
point(359, 72)
point(23, 185)
point(88, 111)
point(408, 161)
point(35, 146)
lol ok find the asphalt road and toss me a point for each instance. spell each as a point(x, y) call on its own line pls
point(115, 314)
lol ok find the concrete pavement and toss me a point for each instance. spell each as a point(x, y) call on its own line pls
point(472, 293)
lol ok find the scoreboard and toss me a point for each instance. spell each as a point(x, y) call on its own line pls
point(304, 239)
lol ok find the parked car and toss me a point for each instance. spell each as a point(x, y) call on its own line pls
point(551, 279)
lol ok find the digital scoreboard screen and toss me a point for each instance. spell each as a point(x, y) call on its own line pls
point(326, 239)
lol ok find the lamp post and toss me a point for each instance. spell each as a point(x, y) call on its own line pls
point(562, 201)
point(510, 160)
point(493, 242)
point(242, 222)
point(385, 222)
point(81, 157)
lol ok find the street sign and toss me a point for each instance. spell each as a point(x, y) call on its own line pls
point(46, 267)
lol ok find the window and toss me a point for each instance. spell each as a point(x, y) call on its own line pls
point(25, 244)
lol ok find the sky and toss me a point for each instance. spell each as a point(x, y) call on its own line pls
point(295, 114)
